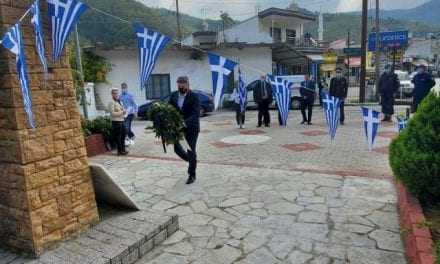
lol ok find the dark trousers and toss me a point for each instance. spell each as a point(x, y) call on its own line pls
point(263, 114)
point(307, 104)
point(240, 117)
point(342, 112)
point(189, 155)
point(127, 123)
point(118, 135)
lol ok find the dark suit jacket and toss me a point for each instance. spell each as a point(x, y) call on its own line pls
point(339, 88)
point(258, 95)
point(190, 110)
point(308, 89)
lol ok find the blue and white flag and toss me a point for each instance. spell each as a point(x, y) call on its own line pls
point(13, 41)
point(282, 96)
point(39, 36)
point(220, 68)
point(151, 44)
point(242, 92)
point(64, 14)
point(371, 125)
point(401, 124)
point(331, 111)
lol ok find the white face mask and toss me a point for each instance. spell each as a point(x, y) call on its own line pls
point(338, 75)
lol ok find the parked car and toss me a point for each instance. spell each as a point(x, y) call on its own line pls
point(406, 85)
point(206, 104)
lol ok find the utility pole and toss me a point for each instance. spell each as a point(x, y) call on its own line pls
point(364, 50)
point(179, 30)
point(81, 73)
point(348, 56)
point(378, 47)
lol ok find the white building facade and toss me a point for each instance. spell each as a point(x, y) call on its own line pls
point(259, 44)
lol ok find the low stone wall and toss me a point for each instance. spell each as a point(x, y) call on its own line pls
point(416, 235)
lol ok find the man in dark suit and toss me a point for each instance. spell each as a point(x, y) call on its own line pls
point(339, 89)
point(188, 104)
point(423, 83)
point(263, 98)
point(307, 92)
point(388, 86)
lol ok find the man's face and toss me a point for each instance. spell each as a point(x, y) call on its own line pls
point(183, 87)
point(421, 70)
point(338, 73)
point(124, 88)
point(307, 77)
point(115, 95)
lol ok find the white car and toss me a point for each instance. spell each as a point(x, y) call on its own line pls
point(406, 85)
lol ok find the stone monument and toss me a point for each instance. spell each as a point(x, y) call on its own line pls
point(46, 192)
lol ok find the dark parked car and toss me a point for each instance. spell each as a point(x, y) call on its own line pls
point(206, 104)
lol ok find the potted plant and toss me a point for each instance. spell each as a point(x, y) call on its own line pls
point(97, 135)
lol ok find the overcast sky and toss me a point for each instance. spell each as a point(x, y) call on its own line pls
point(242, 9)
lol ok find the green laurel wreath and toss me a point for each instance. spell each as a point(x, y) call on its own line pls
point(168, 123)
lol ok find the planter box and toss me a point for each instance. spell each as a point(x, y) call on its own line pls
point(95, 145)
point(417, 237)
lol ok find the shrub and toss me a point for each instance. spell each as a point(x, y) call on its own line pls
point(415, 154)
point(101, 125)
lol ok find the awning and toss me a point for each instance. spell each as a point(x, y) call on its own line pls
point(315, 57)
point(328, 67)
point(354, 62)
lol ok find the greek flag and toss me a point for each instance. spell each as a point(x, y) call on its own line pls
point(242, 92)
point(13, 41)
point(331, 111)
point(371, 124)
point(282, 96)
point(151, 44)
point(39, 37)
point(64, 14)
point(220, 68)
point(401, 123)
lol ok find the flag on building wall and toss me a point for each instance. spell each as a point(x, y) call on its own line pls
point(242, 92)
point(39, 36)
point(331, 111)
point(151, 44)
point(220, 69)
point(371, 125)
point(13, 41)
point(64, 15)
point(282, 96)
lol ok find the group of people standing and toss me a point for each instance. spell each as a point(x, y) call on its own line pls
point(263, 97)
point(389, 85)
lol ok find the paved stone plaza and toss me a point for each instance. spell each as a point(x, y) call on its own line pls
point(292, 197)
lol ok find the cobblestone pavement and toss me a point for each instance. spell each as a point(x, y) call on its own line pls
point(294, 198)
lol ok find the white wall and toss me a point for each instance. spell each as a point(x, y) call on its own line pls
point(178, 63)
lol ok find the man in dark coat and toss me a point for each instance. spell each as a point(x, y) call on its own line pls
point(188, 104)
point(388, 86)
point(339, 89)
point(423, 83)
point(263, 98)
point(307, 92)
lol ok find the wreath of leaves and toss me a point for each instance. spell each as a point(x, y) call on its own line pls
point(168, 123)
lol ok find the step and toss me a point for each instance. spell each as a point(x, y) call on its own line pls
point(120, 238)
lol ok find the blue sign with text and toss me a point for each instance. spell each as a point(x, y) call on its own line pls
point(393, 39)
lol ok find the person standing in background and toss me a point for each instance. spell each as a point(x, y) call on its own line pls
point(307, 92)
point(388, 86)
point(263, 98)
point(117, 114)
point(423, 83)
point(240, 116)
point(339, 89)
point(131, 109)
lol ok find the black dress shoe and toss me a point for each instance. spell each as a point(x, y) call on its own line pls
point(125, 153)
point(309, 123)
point(191, 180)
point(303, 122)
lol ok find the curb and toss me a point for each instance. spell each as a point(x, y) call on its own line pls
point(419, 245)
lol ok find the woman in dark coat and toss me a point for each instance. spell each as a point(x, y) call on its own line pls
point(388, 86)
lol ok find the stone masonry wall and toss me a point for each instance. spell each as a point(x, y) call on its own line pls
point(46, 193)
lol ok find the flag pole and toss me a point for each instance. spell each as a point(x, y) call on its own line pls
point(81, 73)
